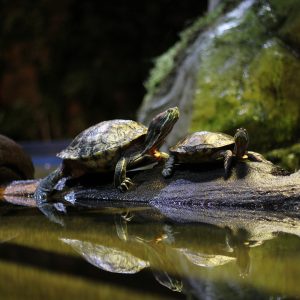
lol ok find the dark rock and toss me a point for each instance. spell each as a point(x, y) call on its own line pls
point(15, 164)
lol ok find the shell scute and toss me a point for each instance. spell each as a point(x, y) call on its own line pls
point(202, 141)
point(103, 140)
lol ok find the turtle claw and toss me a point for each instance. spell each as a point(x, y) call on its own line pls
point(127, 216)
point(167, 172)
point(53, 211)
point(169, 167)
point(125, 185)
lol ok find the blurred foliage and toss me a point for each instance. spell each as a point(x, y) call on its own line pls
point(66, 65)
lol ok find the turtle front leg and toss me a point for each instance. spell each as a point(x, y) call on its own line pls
point(227, 155)
point(168, 169)
point(44, 189)
point(122, 182)
point(47, 184)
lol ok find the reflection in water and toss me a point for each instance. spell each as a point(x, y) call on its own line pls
point(161, 261)
point(240, 244)
point(206, 260)
point(171, 265)
point(107, 258)
point(195, 260)
point(53, 211)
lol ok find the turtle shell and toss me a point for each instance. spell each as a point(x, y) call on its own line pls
point(202, 141)
point(103, 141)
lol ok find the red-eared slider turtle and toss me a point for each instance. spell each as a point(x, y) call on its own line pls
point(111, 145)
point(205, 146)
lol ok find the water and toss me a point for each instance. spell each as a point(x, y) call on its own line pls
point(43, 155)
point(111, 253)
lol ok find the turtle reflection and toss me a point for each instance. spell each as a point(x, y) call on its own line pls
point(107, 258)
point(171, 257)
point(178, 255)
point(227, 245)
point(159, 256)
point(240, 243)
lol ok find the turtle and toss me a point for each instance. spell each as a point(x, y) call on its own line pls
point(113, 145)
point(206, 146)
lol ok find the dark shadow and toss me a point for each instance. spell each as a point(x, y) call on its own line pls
point(241, 168)
point(201, 172)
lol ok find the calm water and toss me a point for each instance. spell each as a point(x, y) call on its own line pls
point(112, 253)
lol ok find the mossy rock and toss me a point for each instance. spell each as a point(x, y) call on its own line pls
point(288, 158)
point(263, 97)
point(247, 75)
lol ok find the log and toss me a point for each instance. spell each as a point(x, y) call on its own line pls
point(19, 192)
point(252, 185)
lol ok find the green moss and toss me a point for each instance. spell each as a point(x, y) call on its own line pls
point(273, 81)
point(288, 13)
point(284, 8)
point(288, 158)
point(218, 103)
point(248, 80)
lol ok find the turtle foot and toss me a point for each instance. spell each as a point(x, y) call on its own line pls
point(52, 211)
point(167, 172)
point(40, 195)
point(125, 185)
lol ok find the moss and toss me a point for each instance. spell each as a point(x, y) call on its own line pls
point(218, 102)
point(288, 158)
point(252, 88)
point(288, 13)
point(273, 81)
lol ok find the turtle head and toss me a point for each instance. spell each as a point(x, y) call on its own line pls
point(159, 128)
point(241, 139)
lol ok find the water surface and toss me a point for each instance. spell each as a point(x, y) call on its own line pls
point(116, 253)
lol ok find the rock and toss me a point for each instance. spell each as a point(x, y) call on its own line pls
point(241, 70)
point(288, 158)
point(15, 164)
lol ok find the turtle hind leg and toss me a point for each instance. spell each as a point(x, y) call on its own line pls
point(122, 182)
point(168, 169)
point(253, 156)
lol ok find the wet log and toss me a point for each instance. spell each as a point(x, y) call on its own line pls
point(19, 192)
point(252, 185)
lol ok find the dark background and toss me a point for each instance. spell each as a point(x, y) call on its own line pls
point(65, 65)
